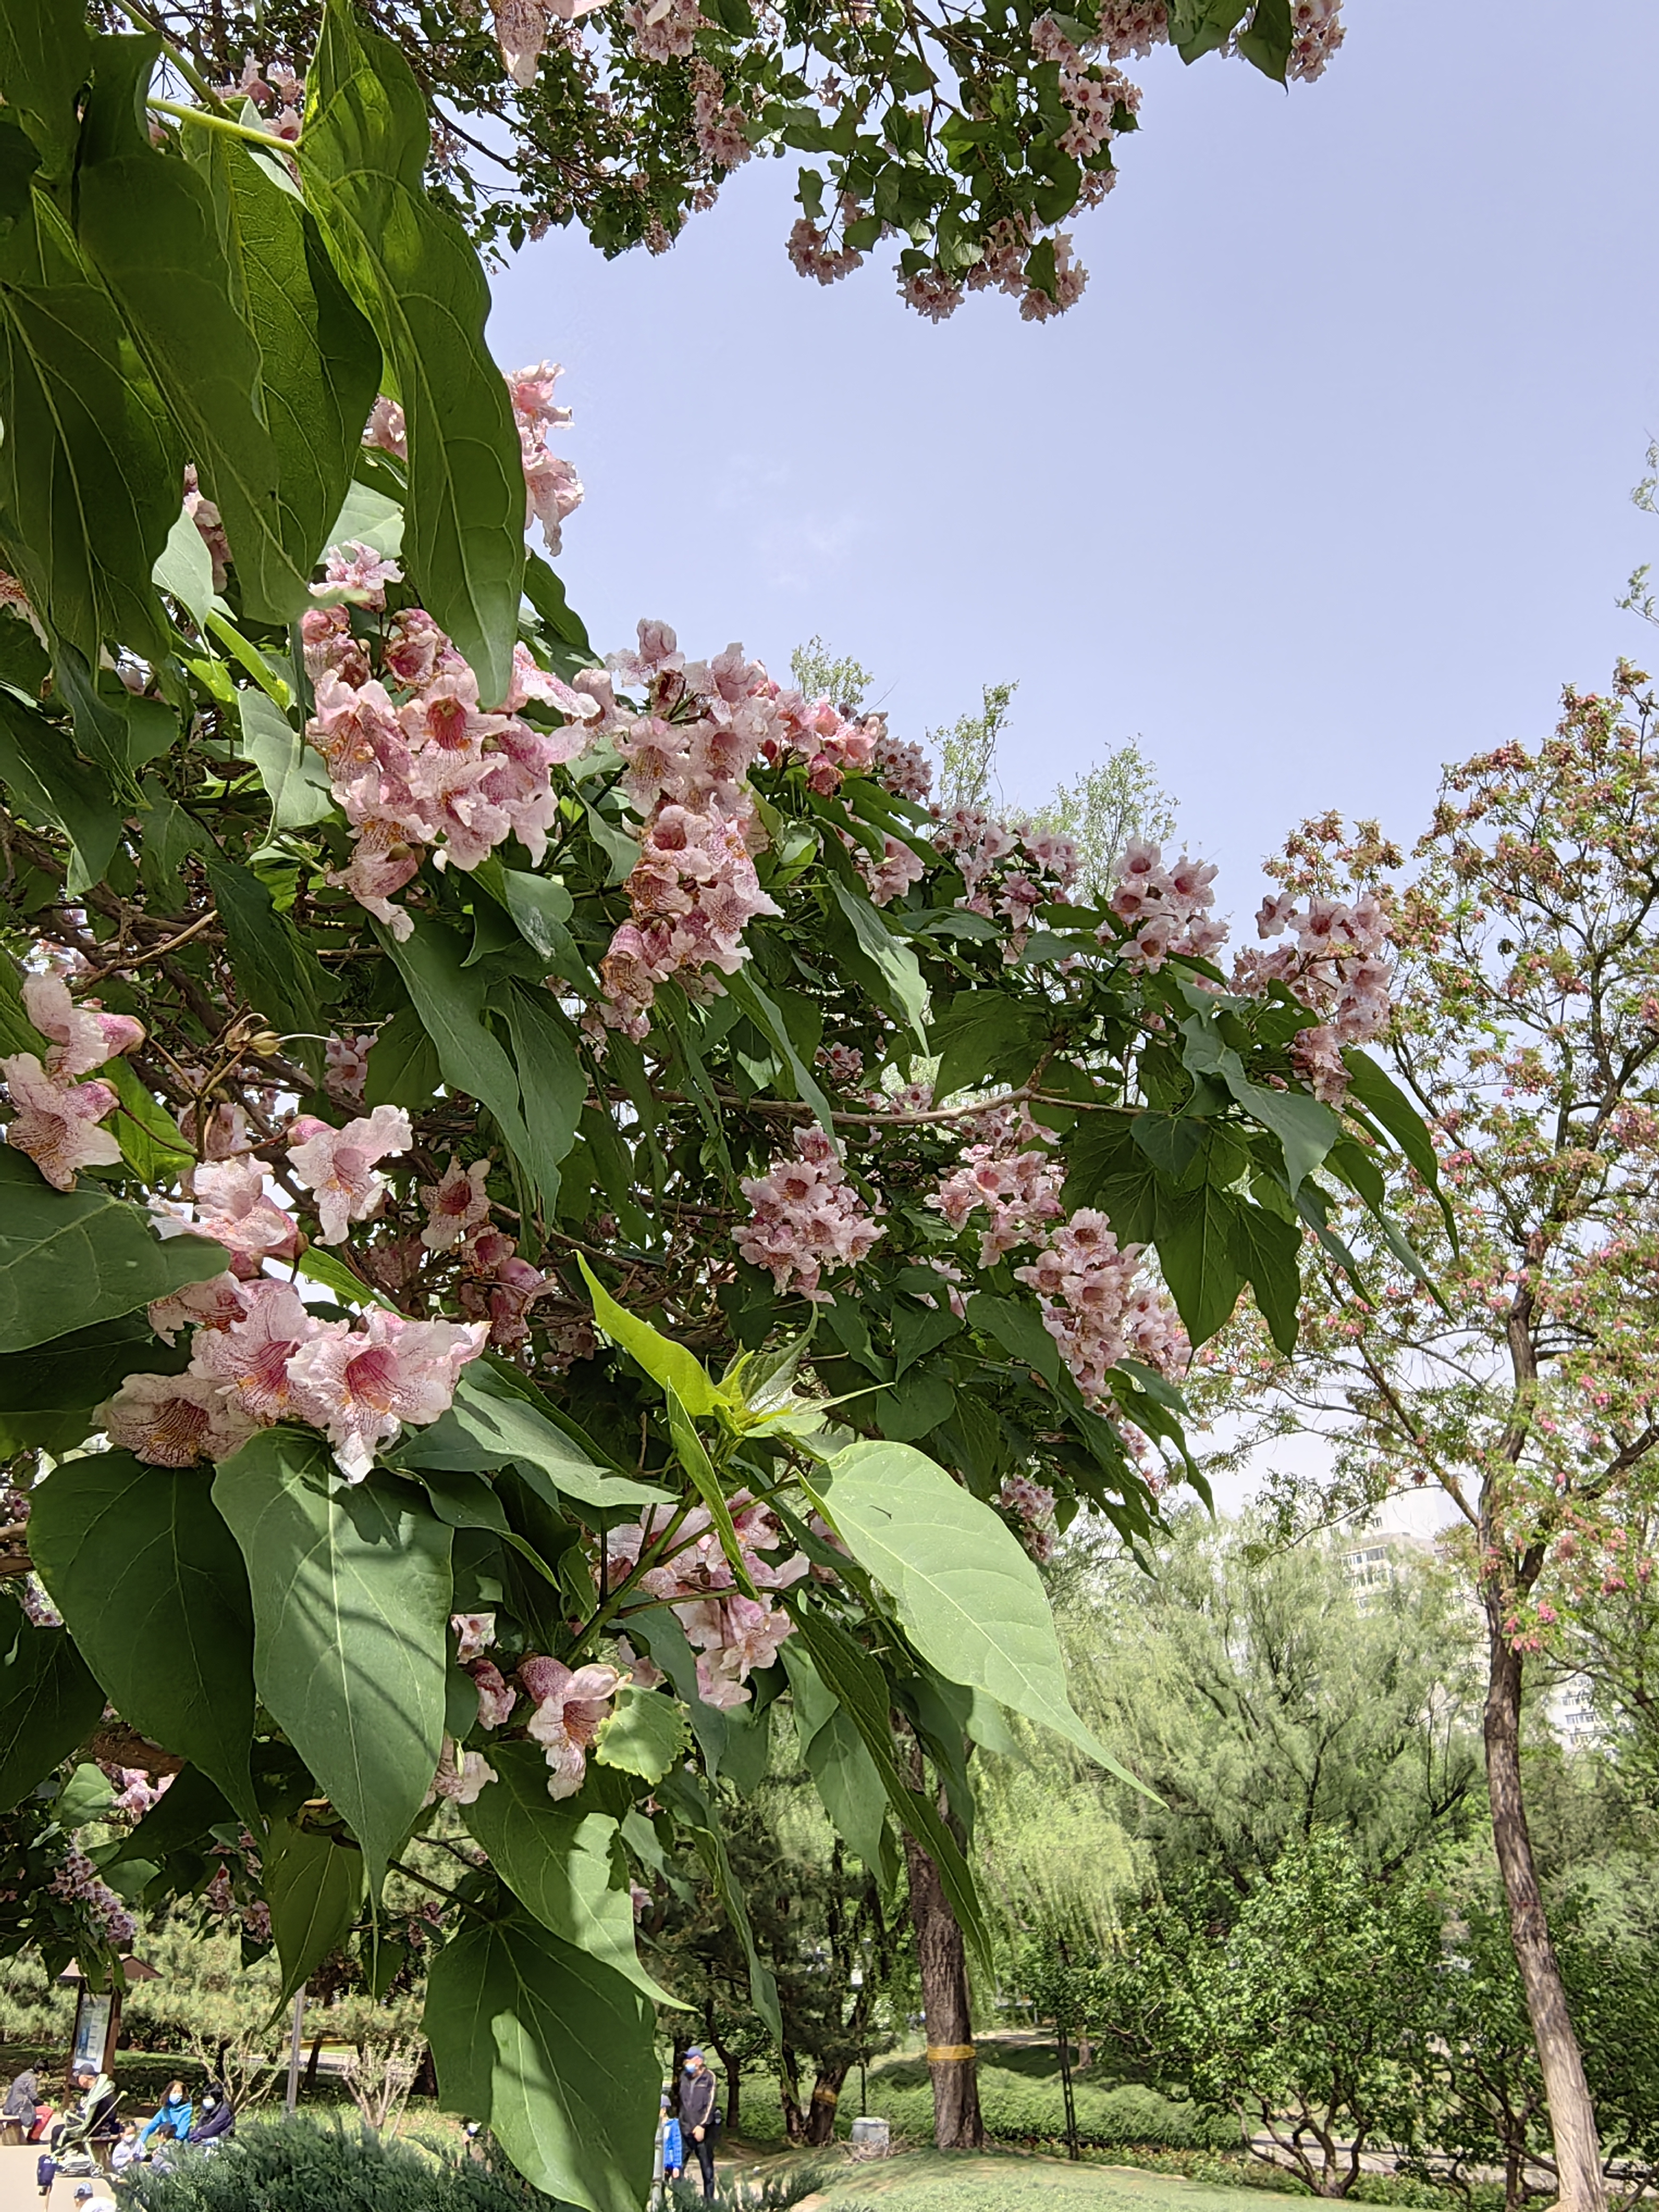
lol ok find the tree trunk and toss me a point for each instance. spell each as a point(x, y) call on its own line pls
point(943, 1965)
point(826, 2095)
point(734, 2086)
point(1581, 2187)
point(309, 2086)
point(794, 2120)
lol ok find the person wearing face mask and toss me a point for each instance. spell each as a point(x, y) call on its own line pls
point(699, 2115)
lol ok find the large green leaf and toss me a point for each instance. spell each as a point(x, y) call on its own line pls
point(51, 785)
point(45, 53)
point(559, 1864)
point(146, 223)
point(282, 977)
point(645, 1735)
point(770, 1021)
point(1195, 1243)
point(319, 361)
point(91, 463)
point(884, 963)
point(965, 1588)
point(71, 1258)
point(663, 1360)
point(50, 1703)
point(552, 1084)
point(838, 1759)
point(552, 2049)
point(1267, 1250)
point(449, 997)
point(48, 1395)
point(314, 1885)
point(493, 1424)
point(856, 1679)
point(409, 267)
point(296, 781)
point(1306, 1128)
point(352, 1603)
point(147, 1576)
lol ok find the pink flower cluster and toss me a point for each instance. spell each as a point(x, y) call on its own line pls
point(338, 1166)
point(135, 1792)
point(718, 129)
point(688, 757)
point(1008, 869)
point(665, 30)
point(553, 490)
point(1335, 965)
point(522, 28)
point(263, 1357)
point(890, 877)
point(904, 769)
point(812, 255)
point(1008, 1173)
point(56, 1116)
point(421, 765)
point(1092, 93)
point(732, 1634)
point(270, 85)
point(499, 1287)
point(78, 1881)
point(1033, 1506)
point(233, 1207)
point(1098, 1310)
point(806, 1217)
point(1316, 33)
point(1167, 910)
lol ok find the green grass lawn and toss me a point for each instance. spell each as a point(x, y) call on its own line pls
point(1008, 2181)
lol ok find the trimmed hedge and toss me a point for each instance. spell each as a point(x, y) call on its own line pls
point(305, 2164)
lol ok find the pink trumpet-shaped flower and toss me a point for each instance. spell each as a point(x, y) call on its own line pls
point(461, 1775)
point(569, 1708)
point(82, 1037)
point(474, 1632)
point(56, 1123)
point(212, 1304)
point(232, 1209)
point(496, 1695)
point(336, 1166)
point(173, 1420)
point(457, 1204)
point(249, 1360)
point(360, 1385)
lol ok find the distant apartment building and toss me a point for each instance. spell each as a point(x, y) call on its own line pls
point(1381, 1556)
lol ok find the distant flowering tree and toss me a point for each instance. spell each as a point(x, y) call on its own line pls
point(971, 134)
point(1518, 1375)
point(485, 1304)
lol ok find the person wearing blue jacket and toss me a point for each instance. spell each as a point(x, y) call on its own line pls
point(174, 2120)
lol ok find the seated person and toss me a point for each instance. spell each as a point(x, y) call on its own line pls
point(172, 2121)
point(217, 2119)
point(126, 2149)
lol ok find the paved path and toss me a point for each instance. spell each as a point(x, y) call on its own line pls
point(17, 2190)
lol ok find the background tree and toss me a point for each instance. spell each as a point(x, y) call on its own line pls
point(1517, 1375)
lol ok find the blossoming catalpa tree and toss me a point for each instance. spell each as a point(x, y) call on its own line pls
point(485, 1307)
point(969, 134)
point(1521, 1383)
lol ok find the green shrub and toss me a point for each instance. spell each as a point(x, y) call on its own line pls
point(305, 2165)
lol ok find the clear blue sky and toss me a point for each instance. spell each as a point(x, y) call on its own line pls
point(1325, 481)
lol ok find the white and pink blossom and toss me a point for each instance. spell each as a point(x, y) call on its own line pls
point(338, 1165)
point(57, 1123)
point(569, 1709)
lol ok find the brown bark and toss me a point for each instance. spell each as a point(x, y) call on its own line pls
point(946, 2012)
point(794, 2120)
point(826, 2095)
point(1580, 2185)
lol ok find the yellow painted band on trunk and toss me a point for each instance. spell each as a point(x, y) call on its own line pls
point(951, 2053)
